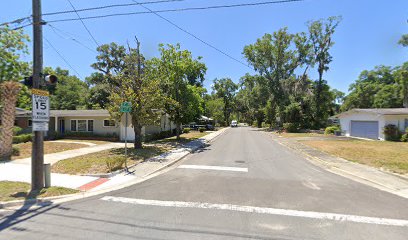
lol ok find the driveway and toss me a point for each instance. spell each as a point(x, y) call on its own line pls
point(243, 186)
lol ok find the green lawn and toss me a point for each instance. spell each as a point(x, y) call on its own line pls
point(114, 159)
point(184, 138)
point(49, 147)
point(106, 161)
point(19, 190)
point(389, 155)
point(298, 135)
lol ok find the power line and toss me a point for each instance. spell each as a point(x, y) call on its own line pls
point(110, 6)
point(179, 10)
point(62, 57)
point(19, 20)
point(194, 36)
point(79, 17)
point(69, 37)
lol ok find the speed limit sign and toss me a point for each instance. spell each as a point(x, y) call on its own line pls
point(41, 105)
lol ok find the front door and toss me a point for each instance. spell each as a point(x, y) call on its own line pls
point(62, 126)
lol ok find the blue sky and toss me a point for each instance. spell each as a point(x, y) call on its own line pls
point(366, 37)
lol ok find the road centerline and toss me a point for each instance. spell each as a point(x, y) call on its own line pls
point(216, 168)
point(262, 210)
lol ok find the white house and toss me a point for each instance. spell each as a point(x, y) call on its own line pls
point(96, 122)
point(369, 123)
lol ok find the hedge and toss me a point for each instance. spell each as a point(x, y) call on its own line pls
point(23, 138)
point(291, 127)
point(331, 130)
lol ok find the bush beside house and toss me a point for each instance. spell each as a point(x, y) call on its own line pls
point(392, 133)
point(331, 130)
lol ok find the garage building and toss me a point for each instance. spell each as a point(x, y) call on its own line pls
point(369, 123)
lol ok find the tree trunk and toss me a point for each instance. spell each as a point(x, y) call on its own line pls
point(9, 92)
point(318, 93)
point(259, 123)
point(137, 128)
point(178, 130)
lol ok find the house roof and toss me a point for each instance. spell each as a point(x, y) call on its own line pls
point(79, 113)
point(22, 112)
point(378, 111)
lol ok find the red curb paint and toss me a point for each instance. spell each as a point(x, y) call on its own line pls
point(93, 184)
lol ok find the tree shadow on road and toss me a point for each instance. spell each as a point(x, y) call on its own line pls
point(25, 213)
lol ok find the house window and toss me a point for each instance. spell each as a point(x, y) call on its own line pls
point(30, 123)
point(73, 125)
point(90, 125)
point(82, 125)
point(109, 123)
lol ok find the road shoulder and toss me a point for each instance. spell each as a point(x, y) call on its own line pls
point(386, 181)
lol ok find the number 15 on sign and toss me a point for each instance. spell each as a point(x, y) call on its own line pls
point(41, 106)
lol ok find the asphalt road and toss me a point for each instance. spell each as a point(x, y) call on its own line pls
point(242, 186)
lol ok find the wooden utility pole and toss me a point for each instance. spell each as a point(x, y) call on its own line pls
point(37, 157)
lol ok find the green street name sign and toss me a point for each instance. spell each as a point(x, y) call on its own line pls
point(126, 107)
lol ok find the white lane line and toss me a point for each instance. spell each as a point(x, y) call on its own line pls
point(218, 168)
point(261, 210)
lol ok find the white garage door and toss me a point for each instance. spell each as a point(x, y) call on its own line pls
point(364, 129)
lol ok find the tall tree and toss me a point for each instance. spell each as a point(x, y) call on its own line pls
point(381, 87)
point(12, 69)
point(176, 70)
point(404, 40)
point(98, 94)
point(9, 93)
point(276, 57)
point(13, 44)
point(128, 78)
point(69, 93)
point(139, 88)
point(226, 89)
point(320, 35)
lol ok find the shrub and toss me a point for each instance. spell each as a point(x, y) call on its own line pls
point(22, 138)
point(291, 127)
point(391, 133)
point(186, 130)
point(91, 136)
point(15, 151)
point(115, 163)
point(331, 130)
point(404, 137)
point(201, 129)
point(16, 130)
point(266, 125)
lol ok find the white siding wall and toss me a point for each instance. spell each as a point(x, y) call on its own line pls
point(164, 126)
point(397, 120)
point(98, 125)
point(383, 120)
point(345, 122)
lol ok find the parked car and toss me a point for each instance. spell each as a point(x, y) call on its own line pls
point(234, 123)
point(209, 127)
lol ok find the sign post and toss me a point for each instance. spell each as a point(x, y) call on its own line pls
point(40, 118)
point(126, 107)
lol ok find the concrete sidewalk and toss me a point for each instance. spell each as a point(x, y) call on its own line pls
point(55, 157)
point(386, 181)
point(158, 163)
point(20, 170)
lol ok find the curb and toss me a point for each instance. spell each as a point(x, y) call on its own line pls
point(80, 195)
point(109, 175)
point(34, 201)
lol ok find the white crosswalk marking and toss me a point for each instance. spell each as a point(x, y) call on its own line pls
point(217, 168)
point(261, 210)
